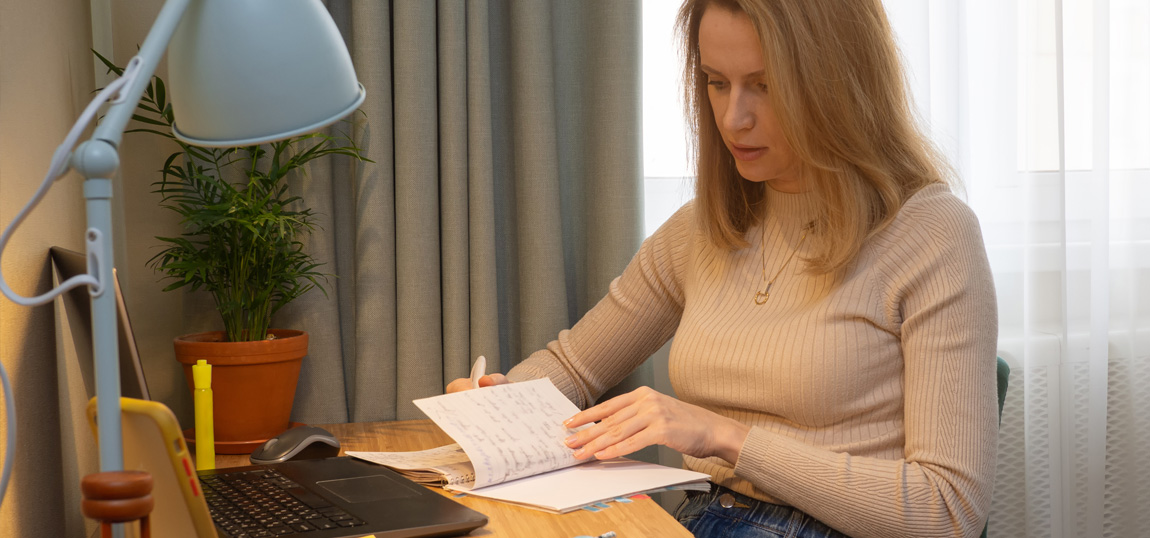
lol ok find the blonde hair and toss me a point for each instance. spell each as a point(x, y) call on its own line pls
point(836, 82)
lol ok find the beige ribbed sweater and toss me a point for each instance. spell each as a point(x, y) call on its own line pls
point(871, 397)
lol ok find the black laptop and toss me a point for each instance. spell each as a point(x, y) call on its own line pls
point(329, 498)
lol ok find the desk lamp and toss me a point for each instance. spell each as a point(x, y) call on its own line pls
point(241, 73)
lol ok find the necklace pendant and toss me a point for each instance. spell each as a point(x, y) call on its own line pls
point(761, 297)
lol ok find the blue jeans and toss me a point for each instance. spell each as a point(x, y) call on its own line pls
point(722, 513)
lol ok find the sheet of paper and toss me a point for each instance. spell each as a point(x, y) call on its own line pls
point(508, 431)
point(449, 460)
point(575, 487)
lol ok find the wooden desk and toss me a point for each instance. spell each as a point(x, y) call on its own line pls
point(638, 519)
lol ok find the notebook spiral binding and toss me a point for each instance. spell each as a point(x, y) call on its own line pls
point(460, 480)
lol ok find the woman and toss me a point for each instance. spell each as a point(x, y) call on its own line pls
point(831, 301)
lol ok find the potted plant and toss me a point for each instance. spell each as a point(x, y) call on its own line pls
point(241, 243)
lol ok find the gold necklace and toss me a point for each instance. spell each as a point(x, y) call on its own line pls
point(762, 296)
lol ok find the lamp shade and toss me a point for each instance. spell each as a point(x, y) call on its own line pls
point(246, 72)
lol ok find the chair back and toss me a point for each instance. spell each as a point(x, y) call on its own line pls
point(1003, 384)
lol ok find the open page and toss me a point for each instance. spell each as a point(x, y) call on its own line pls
point(508, 431)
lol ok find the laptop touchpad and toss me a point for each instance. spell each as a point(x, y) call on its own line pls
point(362, 489)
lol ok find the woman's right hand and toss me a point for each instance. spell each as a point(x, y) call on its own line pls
point(464, 383)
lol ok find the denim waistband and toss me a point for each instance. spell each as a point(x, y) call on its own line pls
point(724, 512)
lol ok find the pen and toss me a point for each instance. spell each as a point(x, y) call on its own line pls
point(477, 371)
point(608, 534)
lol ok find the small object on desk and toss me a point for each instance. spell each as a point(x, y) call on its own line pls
point(118, 497)
point(477, 371)
point(205, 428)
point(301, 442)
point(608, 534)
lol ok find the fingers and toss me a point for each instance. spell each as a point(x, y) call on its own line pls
point(464, 383)
point(459, 385)
point(634, 443)
point(645, 417)
point(622, 427)
point(493, 379)
point(601, 411)
point(614, 421)
point(614, 437)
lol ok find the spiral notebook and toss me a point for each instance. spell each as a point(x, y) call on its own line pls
point(439, 466)
point(510, 448)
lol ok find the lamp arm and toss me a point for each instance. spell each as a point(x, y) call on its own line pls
point(97, 160)
point(111, 128)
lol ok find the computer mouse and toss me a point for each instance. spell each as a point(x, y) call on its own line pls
point(301, 442)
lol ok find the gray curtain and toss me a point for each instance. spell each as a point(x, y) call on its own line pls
point(504, 196)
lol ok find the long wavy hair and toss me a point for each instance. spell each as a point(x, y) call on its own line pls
point(835, 78)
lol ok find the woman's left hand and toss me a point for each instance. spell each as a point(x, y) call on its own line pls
point(645, 417)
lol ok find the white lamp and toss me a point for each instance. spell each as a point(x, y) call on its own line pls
point(242, 72)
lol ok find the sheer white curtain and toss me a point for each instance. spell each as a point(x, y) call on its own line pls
point(1043, 106)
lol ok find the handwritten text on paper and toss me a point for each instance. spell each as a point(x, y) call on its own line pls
point(509, 431)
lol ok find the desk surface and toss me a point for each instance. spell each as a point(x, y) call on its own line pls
point(641, 518)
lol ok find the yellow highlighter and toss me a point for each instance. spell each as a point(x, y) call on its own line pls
point(205, 429)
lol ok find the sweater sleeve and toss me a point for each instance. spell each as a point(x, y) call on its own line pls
point(638, 315)
point(940, 302)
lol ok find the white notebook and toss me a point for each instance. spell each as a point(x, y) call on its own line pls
point(510, 448)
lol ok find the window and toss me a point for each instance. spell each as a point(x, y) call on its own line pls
point(668, 182)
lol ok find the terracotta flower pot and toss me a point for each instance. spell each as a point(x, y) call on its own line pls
point(253, 384)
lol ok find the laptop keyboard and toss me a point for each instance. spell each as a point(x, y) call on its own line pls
point(265, 504)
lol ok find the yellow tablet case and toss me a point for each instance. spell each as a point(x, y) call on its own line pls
point(153, 443)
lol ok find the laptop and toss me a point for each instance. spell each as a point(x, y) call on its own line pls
point(338, 497)
point(329, 498)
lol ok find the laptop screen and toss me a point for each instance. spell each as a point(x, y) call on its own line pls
point(78, 310)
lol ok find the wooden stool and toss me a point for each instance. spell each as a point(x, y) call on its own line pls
point(118, 497)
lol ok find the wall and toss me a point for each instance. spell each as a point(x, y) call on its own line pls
point(45, 80)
